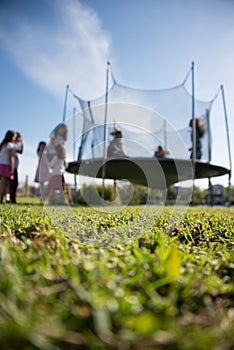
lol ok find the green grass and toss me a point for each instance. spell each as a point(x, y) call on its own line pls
point(84, 279)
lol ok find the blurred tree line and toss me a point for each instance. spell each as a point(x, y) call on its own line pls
point(128, 194)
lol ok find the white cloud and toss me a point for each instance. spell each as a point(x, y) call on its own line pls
point(72, 50)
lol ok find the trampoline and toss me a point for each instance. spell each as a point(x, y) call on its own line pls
point(146, 118)
point(147, 172)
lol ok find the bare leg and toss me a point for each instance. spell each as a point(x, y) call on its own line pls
point(62, 197)
point(43, 191)
point(4, 187)
point(51, 195)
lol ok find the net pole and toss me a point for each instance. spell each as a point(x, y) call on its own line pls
point(229, 144)
point(193, 132)
point(105, 131)
point(165, 134)
point(80, 153)
point(65, 103)
point(74, 142)
point(209, 135)
point(210, 188)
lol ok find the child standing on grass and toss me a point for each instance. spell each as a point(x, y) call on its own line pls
point(15, 182)
point(42, 175)
point(57, 182)
point(7, 160)
point(56, 154)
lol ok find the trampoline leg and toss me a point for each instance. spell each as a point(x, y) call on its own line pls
point(115, 187)
point(229, 190)
point(210, 192)
point(193, 194)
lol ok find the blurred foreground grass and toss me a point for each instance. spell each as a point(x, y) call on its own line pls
point(135, 279)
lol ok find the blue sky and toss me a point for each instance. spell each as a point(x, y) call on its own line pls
point(47, 44)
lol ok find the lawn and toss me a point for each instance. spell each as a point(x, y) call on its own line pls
point(137, 278)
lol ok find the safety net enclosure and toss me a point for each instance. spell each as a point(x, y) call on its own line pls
point(146, 119)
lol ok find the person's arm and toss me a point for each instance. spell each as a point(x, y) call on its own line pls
point(45, 161)
point(19, 146)
point(11, 155)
